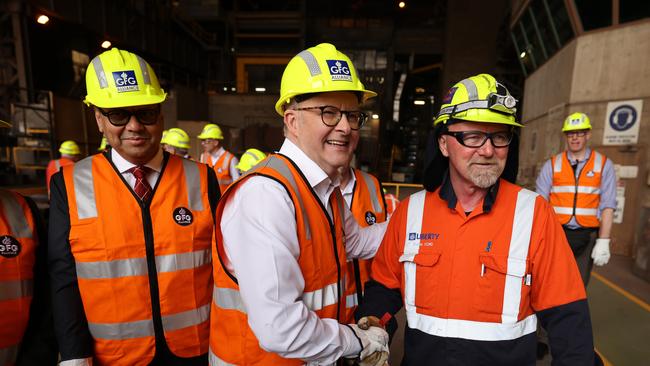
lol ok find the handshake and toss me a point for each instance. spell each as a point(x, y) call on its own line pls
point(374, 342)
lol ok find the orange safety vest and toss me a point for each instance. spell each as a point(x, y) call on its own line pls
point(368, 207)
point(53, 167)
point(579, 197)
point(124, 249)
point(391, 203)
point(322, 259)
point(17, 256)
point(221, 168)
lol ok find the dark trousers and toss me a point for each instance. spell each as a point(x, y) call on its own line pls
point(582, 243)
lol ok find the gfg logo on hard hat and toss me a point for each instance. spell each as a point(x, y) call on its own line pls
point(125, 81)
point(339, 70)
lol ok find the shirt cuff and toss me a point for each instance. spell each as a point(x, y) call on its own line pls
point(351, 344)
point(78, 362)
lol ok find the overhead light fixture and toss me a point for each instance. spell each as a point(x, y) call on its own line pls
point(260, 90)
point(375, 116)
point(42, 19)
point(233, 89)
point(106, 44)
point(522, 54)
point(418, 102)
point(420, 89)
point(225, 88)
point(401, 4)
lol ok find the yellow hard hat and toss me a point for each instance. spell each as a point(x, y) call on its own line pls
point(103, 144)
point(176, 137)
point(576, 121)
point(249, 159)
point(69, 147)
point(211, 131)
point(118, 78)
point(479, 98)
point(316, 70)
point(163, 140)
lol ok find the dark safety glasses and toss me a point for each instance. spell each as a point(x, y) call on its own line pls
point(120, 117)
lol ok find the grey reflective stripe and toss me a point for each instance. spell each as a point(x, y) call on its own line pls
point(57, 164)
point(8, 355)
point(216, 361)
point(193, 183)
point(15, 216)
point(474, 104)
point(226, 159)
point(572, 189)
point(374, 195)
point(186, 319)
point(598, 162)
point(228, 298)
point(16, 289)
point(84, 188)
point(138, 266)
point(557, 166)
point(120, 331)
point(472, 93)
point(281, 167)
point(99, 72)
point(311, 62)
point(351, 301)
point(145, 71)
point(225, 181)
point(323, 297)
point(578, 211)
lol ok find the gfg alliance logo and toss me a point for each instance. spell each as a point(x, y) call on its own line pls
point(125, 81)
point(339, 70)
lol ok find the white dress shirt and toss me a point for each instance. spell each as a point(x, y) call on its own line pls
point(234, 172)
point(261, 243)
point(348, 190)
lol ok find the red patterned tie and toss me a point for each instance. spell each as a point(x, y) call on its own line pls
point(142, 187)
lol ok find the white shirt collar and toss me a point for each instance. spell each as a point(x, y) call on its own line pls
point(314, 174)
point(123, 165)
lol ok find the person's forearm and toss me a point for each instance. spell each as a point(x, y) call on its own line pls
point(606, 219)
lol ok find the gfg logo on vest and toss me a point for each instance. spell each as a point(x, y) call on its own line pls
point(125, 81)
point(9, 246)
point(424, 236)
point(339, 70)
point(371, 219)
point(183, 216)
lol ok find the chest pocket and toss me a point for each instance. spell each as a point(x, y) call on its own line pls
point(501, 285)
point(426, 270)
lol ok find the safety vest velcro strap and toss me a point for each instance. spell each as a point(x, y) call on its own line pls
point(323, 297)
point(227, 298)
point(138, 266)
point(579, 211)
point(8, 355)
point(216, 361)
point(16, 289)
point(472, 330)
point(573, 189)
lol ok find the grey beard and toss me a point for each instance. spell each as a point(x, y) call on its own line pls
point(485, 179)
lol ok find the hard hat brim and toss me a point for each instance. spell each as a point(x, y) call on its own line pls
point(125, 102)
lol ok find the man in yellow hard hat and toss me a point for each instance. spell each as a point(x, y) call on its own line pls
point(580, 184)
point(249, 159)
point(284, 233)
point(130, 233)
point(221, 160)
point(70, 153)
point(103, 145)
point(177, 142)
point(475, 259)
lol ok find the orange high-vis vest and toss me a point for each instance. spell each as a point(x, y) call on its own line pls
point(579, 197)
point(17, 256)
point(125, 251)
point(391, 203)
point(53, 167)
point(221, 168)
point(368, 208)
point(322, 261)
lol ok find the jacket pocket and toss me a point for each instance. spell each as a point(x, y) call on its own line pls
point(423, 291)
point(501, 280)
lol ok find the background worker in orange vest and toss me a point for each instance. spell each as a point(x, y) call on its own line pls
point(222, 161)
point(580, 183)
point(177, 142)
point(284, 233)
point(475, 259)
point(70, 153)
point(130, 264)
point(391, 202)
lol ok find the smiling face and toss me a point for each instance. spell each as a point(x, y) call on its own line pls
point(329, 147)
point(135, 142)
point(576, 141)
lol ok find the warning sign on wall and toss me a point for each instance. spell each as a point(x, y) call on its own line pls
point(622, 122)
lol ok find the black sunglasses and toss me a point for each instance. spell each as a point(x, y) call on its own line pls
point(120, 117)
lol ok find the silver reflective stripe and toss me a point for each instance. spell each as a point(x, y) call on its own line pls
point(84, 189)
point(572, 189)
point(8, 355)
point(145, 71)
point(193, 183)
point(321, 298)
point(281, 167)
point(472, 93)
point(216, 361)
point(474, 104)
point(99, 72)
point(16, 289)
point(311, 62)
point(598, 162)
point(579, 211)
point(412, 246)
point(374, 195)
point(228, 298)
point(557, 167)
point(120, 331)
point(57, 164)
point(517, 254)
point(186, 319)
point(351, 301)
point(182, 261)
point(15, 215)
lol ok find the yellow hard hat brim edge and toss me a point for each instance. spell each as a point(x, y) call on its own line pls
point(126, 102)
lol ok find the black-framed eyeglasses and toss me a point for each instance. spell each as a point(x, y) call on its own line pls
point(120, 117)
point(576, 134)
point(477, 139)
point(331, 116)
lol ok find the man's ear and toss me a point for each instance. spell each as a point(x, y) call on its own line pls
point(98, 119)
point(291, 121)
point(442, 145)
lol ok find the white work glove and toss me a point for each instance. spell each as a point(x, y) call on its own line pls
point(600, 254)
point(374, 344)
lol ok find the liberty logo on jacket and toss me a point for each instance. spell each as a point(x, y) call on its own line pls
point(183, 216)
